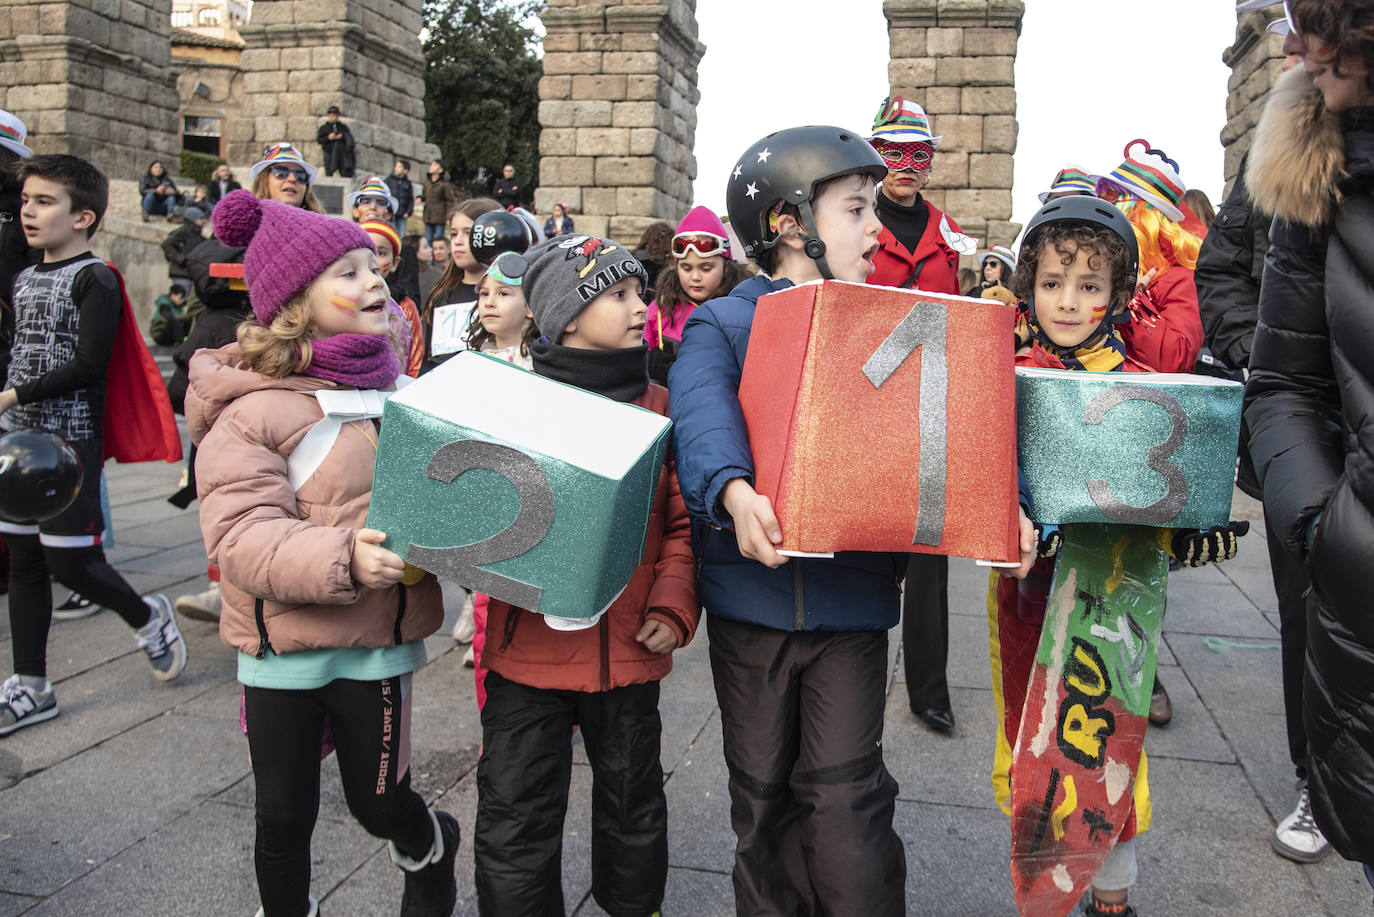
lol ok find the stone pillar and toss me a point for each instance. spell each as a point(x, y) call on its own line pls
point(617, 104)
point(956, 58)
point(1256, 60)
point(301, 56)
point(93, 78)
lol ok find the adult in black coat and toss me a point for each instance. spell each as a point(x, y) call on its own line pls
point(336, 140)
point(221, 183)
point(1230, 267)
point(1310, 396)
point(509, 190)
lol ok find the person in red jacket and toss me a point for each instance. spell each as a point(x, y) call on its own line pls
point(1165, 330)
point(919, 247)
point(585, 294)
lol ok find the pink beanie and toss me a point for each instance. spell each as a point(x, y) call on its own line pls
point(704, 219)
point(287, 247)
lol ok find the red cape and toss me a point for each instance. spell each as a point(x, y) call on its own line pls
point(139, 426)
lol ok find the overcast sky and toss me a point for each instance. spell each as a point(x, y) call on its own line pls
point(1091, 75)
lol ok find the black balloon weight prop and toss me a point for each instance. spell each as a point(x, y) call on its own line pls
point(40, 476)
point(497, 232)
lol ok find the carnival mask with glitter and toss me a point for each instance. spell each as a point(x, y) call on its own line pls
point(905, 157)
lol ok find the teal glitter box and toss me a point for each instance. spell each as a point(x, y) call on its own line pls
point(1137, 448)
point(511, 484)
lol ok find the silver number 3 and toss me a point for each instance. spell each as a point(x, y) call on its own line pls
point(924, 328)
point(1176, 496)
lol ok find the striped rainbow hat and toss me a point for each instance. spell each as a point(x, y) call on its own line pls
point(1002, 254)
point(1153, 178)
point(1071, 180)
point(904, 122)
point(372, 186)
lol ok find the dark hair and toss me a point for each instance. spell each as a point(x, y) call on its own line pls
point(86, 185)
point(404, 164)
point(176, 289)
point(1066, 238)
point(157, 162)
point(767, 259)
point(1347, 26)
point(670, 295)
point(472, 208)
point(968, 281)
point(657, 241)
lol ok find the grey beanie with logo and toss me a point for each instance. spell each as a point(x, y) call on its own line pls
point(565, 274)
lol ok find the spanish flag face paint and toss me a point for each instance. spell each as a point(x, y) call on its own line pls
point(344, 303)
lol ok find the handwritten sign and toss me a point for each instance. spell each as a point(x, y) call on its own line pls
point(531, 491)
point(883, 420)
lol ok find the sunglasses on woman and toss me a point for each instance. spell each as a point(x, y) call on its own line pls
point(705, 244)
point(282, 173)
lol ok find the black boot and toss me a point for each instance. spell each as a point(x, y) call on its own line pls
point(431, 888)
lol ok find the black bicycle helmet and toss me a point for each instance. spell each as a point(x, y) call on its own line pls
point(1083, 208)
point(787, 166)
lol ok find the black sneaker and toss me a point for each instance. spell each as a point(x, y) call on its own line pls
point(76, 606)
point(431, 887)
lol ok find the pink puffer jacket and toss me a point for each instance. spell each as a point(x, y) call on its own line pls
point(290, 549)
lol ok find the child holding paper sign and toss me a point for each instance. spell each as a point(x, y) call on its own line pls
point(1076, 274)
point(325, 627)
point(585, 295)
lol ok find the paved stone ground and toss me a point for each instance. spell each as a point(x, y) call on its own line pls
point(138, 798)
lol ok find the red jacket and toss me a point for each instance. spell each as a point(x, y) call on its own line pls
point(1165, 331)
point(939, 274)
point(521, 647)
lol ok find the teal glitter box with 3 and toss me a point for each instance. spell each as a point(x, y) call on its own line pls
point(1136, 448)
point(511, 484)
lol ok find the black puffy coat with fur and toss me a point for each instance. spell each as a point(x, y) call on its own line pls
point(1310, 410)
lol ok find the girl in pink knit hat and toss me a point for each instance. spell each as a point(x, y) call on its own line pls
point(704, 270)
point(328, 624)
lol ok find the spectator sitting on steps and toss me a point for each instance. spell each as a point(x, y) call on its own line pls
point(158, 190)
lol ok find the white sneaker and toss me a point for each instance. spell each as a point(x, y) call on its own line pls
point(200, 606)
point(22, 705)
point(465, 626)
point(1297, 837)
point(161, 639)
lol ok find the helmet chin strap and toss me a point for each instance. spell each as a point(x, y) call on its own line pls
point(812, 245)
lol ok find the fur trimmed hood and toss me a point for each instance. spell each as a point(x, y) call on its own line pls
point(1297, 158)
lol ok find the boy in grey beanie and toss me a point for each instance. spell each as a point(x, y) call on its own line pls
point(565, 275)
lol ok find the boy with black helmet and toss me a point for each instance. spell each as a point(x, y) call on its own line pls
point(798, 647)
point(1076, 274)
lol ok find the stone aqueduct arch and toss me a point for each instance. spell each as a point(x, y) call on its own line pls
point(618, 98)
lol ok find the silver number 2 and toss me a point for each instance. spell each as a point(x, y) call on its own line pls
point(1176, 496)
point(531, 523)
point(924, 328)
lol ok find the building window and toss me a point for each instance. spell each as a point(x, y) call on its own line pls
point(201, 135)
point(207, 16)
point(182, 19)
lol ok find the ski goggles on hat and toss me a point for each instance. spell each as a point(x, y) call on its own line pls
point(705, 244)
point(904, 157)
point(282, 173)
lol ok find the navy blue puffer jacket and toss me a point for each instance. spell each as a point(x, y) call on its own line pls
point(854, 591)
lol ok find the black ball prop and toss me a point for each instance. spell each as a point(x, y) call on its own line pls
point(40, 476)
point(497, 232)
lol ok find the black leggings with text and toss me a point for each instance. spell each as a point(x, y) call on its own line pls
point(371, 735)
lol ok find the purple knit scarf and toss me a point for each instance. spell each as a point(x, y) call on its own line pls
point(359, 360)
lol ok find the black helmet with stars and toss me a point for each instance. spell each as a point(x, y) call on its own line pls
point(788, 166)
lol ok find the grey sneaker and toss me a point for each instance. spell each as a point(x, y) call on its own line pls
point(1297, 837)
point(21, 705)
point(76, 606)
point(465, 626)
point(161, 639)
point(200, 606)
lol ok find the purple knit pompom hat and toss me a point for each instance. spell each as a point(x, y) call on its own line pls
point(287, 247)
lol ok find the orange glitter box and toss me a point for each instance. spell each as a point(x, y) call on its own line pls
point(884, 420)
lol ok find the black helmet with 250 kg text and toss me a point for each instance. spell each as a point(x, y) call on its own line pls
point(787, 166)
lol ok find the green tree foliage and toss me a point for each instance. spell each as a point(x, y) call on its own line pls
point(482, 87)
